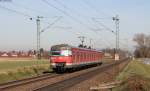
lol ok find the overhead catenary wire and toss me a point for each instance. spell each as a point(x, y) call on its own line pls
point(27, 8)
point(67, 14)
point(107, 28)
point(51, 24)
point(94, 8)
point(15, 11)
point(27, 15)
point(21, 13)
point(62, 11)
point(95, 19)
point(95, 31)
point(78, 14)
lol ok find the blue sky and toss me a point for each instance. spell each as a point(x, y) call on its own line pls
point(18, 32)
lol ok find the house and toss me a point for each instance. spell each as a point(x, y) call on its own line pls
point(4, 54)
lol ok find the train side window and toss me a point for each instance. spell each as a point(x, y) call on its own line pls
point(90, 56)
point(85, 56)
point(93, 56)
point(77, 56)
point(81, 56)
point(74, 56)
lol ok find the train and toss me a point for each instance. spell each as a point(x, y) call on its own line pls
point(66, 57)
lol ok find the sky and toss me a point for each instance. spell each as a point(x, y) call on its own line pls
point(70, 19)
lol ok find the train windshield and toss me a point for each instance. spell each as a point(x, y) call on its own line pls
point(55, 53)
point(61, 53)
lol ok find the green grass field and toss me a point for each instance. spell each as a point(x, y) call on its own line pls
point(15, 69)
point(12, 64)
point(137, 74)
point(19, 68)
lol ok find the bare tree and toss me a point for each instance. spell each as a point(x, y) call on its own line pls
point(139, 39)
point(147, 41)
point(143, 45)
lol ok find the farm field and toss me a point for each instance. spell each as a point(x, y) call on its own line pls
point(11, 64)
point(15, 69)
point(134, 77)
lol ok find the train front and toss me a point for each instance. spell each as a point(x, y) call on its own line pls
point(60, 57)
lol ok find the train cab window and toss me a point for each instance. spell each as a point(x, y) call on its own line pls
point(61, 53)
point(55, 53)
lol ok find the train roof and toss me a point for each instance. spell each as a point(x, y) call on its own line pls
point(69, 47)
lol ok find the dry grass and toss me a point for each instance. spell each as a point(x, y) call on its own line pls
point(135, 77)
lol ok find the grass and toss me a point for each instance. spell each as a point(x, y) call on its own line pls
point(18, 69)
point(134, 68)
point(12, 64)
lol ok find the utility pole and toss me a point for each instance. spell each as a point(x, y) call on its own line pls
point(38, 36)
point(116, 19)
point(39, 31)
point(82, 39)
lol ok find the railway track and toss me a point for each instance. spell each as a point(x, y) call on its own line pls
point(13, 84)
point(67, 83)
point(55, 82)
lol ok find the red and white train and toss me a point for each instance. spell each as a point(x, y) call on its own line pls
point(64, 57)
